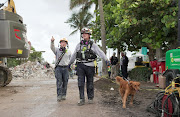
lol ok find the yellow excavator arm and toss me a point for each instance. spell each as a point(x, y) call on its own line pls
point(10, 7)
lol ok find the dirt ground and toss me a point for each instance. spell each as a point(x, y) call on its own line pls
point(111, 98)
point(37, 98)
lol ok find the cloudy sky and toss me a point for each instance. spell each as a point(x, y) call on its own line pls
point(44, 19)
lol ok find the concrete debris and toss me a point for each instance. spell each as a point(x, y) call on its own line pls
point(112, 89)
point(31, 70)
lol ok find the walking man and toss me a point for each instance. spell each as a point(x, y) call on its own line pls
point(85, 55)
point(63, 56)
point(114, 70)
point(124, 65)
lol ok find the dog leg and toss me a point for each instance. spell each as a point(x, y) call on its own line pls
point(121, 93)
point(131, 102)
point(124, 99)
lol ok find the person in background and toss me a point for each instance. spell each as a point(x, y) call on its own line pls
point(114, 61)
point(109, 71)
point(124, 65)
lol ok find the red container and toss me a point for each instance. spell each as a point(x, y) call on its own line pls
point(155, 69)
point(168, 106)
point(161, 66)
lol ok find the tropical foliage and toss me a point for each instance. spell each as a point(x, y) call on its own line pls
point(135, 23)
point(36, 55)
point(79, 20)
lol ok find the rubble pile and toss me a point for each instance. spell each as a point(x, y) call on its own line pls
point(32, 70)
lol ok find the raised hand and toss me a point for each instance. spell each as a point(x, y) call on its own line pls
point(52, 39)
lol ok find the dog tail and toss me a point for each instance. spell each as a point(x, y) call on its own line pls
point(118, 79)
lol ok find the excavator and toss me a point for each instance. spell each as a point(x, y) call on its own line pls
point(13, 39)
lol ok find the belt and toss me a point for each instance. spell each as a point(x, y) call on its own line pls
point(62, 66)
point(84, 61)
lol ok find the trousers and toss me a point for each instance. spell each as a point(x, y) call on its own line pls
point(87, 72)
point(124, 71)
point(62, 76)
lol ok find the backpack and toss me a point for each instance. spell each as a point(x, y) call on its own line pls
point(114, 60)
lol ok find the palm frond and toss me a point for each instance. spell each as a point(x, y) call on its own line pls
point(86, 6)
point(80, 20)
point(72, 33)
point(76, 3)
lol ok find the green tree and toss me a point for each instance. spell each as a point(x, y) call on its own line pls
point(35, 55)
point(112, 29)
point(12, 62)
point(80, 20)
point(149, 23)
point(134, 23)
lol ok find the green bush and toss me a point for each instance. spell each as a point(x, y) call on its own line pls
point(12, 62)
point(140, 73)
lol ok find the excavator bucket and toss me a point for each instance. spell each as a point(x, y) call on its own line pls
point(13, 40)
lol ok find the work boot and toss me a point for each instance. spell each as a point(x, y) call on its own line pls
point(59, 98)
point(81, 102)
point(63, 97)
point(90, 101)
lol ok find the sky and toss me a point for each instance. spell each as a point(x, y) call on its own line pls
point(44, 19)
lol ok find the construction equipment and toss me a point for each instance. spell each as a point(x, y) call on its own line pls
point(173, 58)
point(10, 7)
point(13, 40)
point(166, 103)
point(172, 65)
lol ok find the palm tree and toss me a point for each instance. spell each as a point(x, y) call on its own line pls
point(103, 34)
point(80, 20)
point(86, 5)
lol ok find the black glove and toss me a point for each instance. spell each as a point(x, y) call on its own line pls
point(69, 68)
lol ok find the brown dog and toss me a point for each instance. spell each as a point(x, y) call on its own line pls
point(126, 89)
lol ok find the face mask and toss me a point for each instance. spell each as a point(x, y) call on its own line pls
point(84, 42)
point(62, 49)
